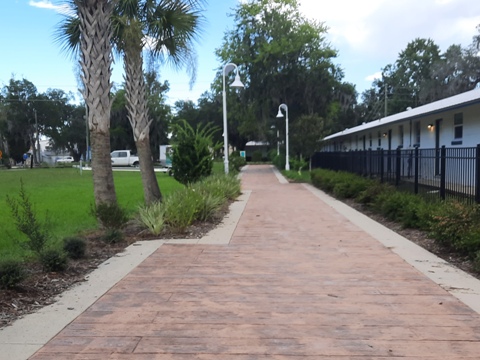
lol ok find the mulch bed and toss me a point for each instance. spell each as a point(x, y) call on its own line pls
point(40, 289)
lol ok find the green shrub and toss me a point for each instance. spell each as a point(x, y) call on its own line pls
point(476, 262)
point(192, 152)
point(279, 161)
point(75, 247)
point(227, 186)
point(112, 236)
point(181, 208)
point(452, 221)
point(469, 243)
point(236, 162)
point(371, 193)
point(53, 260)
point(393, 205)
point(349, 187)
point(12, 273)
point(418, 214)
point(153, 217)
point(26, 221)
point(111, 216)
point(298, 164)
point(325, 179)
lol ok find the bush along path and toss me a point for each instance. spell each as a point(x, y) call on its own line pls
point(449, 229)
point(29, 284)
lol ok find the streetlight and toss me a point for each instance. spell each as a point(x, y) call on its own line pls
point(279, 115)
point(237, 83)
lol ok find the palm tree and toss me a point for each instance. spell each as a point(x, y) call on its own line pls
point(94, 37)
point(167, 29)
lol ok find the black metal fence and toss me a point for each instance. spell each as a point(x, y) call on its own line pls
point(444, 172)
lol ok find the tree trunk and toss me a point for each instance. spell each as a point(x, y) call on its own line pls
point(138, 117)
point(96, 61)
point(103, 186)
point(151, 190)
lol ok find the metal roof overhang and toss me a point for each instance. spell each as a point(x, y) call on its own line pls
point(451, 103)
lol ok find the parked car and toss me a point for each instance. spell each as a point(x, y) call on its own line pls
point(124, 158)
point(64, 159)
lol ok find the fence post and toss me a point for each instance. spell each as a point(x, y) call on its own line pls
point(351, 168)
point(382, 165)
point(398, 166)
point(369, 159)
point(416, 169)
point(477, 175)
point(443, 163)
point(364, 163)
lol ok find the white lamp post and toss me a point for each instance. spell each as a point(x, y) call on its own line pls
point(280, 114)
point(238, 84)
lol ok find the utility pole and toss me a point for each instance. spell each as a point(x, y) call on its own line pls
point(385, 95)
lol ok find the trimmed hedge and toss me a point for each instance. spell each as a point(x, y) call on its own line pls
point(451, 223)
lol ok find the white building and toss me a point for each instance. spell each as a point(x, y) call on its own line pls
point(451, 122)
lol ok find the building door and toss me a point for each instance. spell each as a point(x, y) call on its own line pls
point(438, 123)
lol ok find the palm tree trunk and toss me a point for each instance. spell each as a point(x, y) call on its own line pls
point(96, 61)
point(138, 117)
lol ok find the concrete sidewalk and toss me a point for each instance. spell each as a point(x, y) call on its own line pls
point(302, 277)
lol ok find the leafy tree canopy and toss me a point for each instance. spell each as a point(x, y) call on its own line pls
point(283, 58)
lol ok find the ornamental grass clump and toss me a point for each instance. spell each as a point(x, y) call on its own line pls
point(227, 186)
point(181, 209)
point(152, 217)
point(210, 201)
point(201, 201)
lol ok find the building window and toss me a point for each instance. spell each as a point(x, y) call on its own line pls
point(370, 140)
point(400, 135)
point(379, 139)
point(458, 126)
point(417, 133)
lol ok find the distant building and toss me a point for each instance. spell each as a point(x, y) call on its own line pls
point(451, 122)
point(253, 146)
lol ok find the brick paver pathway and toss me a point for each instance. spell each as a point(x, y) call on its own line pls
point(298, 280)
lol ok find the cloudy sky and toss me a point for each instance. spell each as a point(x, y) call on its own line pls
point(368, 35)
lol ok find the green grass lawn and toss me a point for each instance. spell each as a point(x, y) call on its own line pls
point(67, 197)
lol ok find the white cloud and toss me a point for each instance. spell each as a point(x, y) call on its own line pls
point(370, 34)
point(63, 9)
point(371, 78)
point(384, 26)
